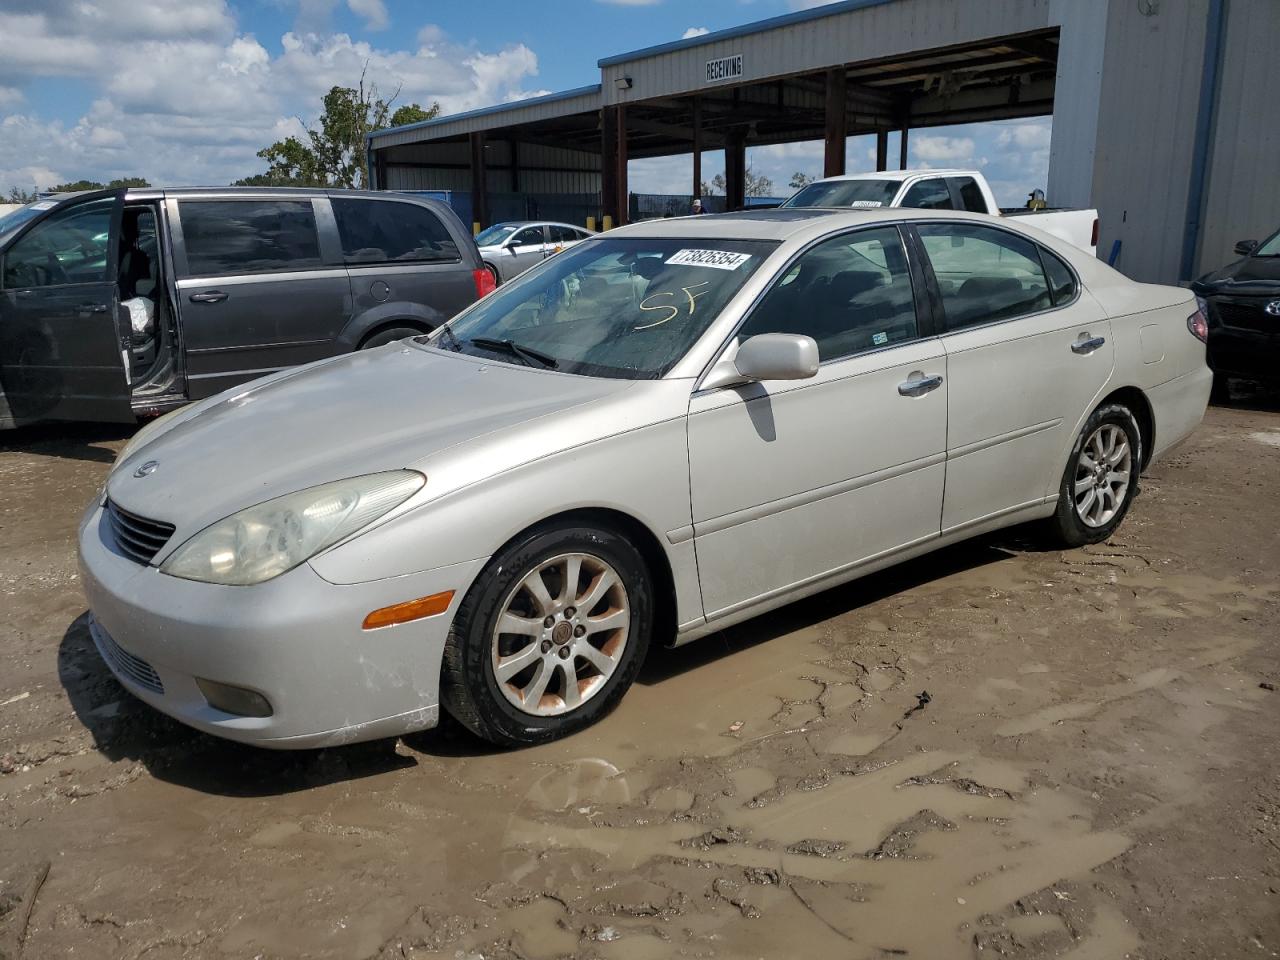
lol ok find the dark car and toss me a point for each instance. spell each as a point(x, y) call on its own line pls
point(126, 302)
point(1244, 314)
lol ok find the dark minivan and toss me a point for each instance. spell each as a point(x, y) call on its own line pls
point(121, 303)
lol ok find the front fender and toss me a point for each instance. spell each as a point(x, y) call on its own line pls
point(393, 312)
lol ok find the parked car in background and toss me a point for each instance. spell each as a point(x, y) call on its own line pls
point(511, 248)
point(1244, 314)
point(943, 190)
point(501, 518)
point(126, 302)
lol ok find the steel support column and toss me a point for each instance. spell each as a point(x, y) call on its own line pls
point(479, 187)
point(613, 166)
point(882, 148)
point(697, 148)
point(837, 123)
point(735, 169)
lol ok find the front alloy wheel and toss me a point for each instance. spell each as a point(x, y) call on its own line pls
point(550, 635)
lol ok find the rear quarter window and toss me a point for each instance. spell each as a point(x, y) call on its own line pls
point(391, 231)
point(249, 236)
point(1062, 282)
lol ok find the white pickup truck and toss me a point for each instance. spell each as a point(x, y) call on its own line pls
point(942, 190)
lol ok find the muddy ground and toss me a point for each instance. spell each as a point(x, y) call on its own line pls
point(1093, 773)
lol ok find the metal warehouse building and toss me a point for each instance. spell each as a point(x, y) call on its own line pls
point(1164, 117)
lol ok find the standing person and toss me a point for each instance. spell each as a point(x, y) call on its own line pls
point(697, 205)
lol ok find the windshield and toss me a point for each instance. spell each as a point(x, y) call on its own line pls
point(845, 193)
point(495, 235)
point(624, 308)
point(16, 218)
point(1269, 247)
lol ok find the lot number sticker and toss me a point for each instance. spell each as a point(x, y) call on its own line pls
point(716, 259)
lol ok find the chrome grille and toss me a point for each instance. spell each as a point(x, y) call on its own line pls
point(124, 663)
point(138, 538)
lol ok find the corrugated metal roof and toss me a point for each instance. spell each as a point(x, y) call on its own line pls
point(535, 108)
point(746, 29)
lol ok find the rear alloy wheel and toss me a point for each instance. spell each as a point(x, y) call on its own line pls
point(550, 636)
point(1101, 478)
point(390, 335)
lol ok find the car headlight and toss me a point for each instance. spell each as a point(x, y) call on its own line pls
point(271, 538)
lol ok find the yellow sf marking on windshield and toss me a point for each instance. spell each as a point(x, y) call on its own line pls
point(690, 296)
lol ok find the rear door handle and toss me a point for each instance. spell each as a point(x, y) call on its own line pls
point(208, 296)
point(1086, 345)
point(919, 384)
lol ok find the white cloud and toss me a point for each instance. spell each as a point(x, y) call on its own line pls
point(935, 151)
point(189, 100)
point(694, 32)
point(374, 13)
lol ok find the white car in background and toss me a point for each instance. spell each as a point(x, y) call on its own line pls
point(512, 247)
point(943, 190)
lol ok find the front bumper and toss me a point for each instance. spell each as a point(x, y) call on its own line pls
point(297, 640)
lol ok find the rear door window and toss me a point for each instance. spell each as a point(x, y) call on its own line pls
point(851, 294)
point(928, 195)
point(391, 231)
point(561, 234)
point(970, 194)
point(249, 236)
point(984, 274)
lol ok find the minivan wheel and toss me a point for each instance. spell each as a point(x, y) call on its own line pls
point(1101, 478)
point(390, 335)
point(549, 637)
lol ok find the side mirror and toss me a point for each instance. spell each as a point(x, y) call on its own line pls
point(777, 356)
point(1246, 247)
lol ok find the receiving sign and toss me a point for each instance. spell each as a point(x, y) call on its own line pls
point(724, 68)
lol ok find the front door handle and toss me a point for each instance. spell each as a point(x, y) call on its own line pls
point(208, 296)
point(1086, 345)
point(92, 307)
point(918, 384)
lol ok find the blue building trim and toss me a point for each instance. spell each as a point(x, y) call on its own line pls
point(1215, 36)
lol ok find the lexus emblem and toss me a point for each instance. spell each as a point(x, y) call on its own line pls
point(1272, 308)
point(147, 469)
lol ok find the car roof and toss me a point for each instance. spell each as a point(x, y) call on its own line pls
point(781, 223)
point(897, 175)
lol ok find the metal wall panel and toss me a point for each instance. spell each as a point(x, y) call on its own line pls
point(1146, 124)
point(1244, 168)
point(851, 36)
point(1077, 94)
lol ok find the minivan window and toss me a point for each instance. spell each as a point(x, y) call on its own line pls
point(390, 231)
point(851, 294)
point(249, 236)
point(929, 195)
point(626, 308)
point(845, 193)
point(971, 198)
point(984, 274)
point(70, 246)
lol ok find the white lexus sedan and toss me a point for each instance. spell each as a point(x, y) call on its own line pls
point(665, 430)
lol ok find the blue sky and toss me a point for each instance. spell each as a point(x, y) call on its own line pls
point(186, 91)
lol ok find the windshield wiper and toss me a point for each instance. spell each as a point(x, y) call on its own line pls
point(527, 354)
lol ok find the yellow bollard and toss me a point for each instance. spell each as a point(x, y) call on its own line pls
point(475, 228)
point(591, 224)
point(608, 222)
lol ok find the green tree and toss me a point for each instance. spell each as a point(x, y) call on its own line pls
point(757, 185)
point(18, 195)
point(333, 152)
point(75, 186)
point(799, 180)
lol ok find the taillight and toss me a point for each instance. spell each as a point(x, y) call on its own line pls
point(1198, 322)
point(1093, 237)
point(484, 282)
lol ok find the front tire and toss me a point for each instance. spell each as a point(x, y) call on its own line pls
point(550, 636)
point(1101, 478)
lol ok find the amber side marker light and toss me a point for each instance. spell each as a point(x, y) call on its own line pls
point(409, 610)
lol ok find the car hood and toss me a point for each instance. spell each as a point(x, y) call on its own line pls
point(366, 412)
point(1252, 275)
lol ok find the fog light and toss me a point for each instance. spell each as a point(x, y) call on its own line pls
point(237, 700)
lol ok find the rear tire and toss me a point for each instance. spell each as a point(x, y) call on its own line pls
point(1100, 479)
point(571, 651)
point(390, 335)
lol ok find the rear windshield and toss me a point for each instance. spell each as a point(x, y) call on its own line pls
point(845, 193)
point(626, 308)
point(495, 234)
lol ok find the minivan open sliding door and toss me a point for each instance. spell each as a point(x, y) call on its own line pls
point(61, 348)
